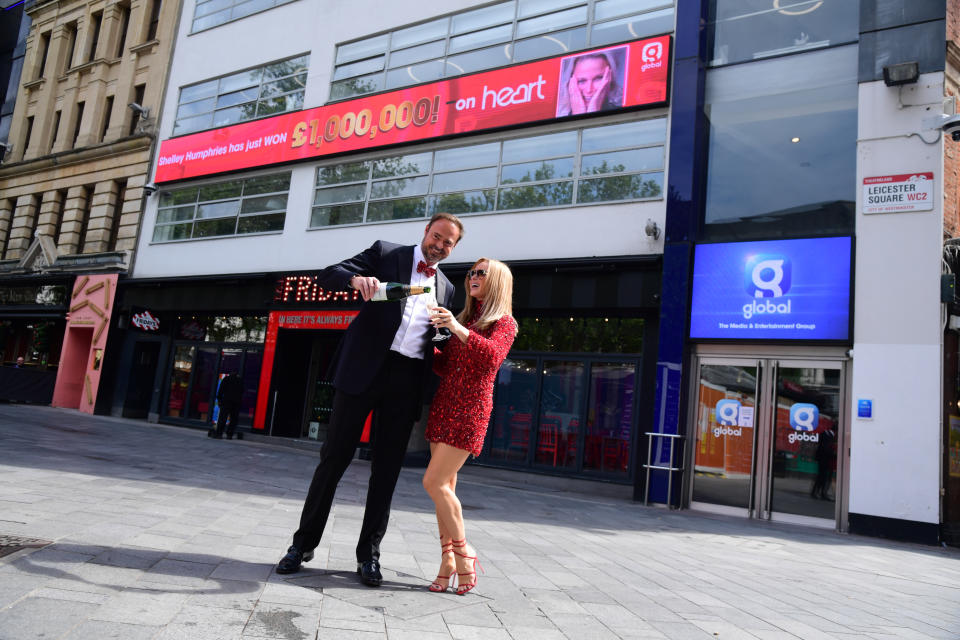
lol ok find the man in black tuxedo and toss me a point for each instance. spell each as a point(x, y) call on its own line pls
point(383, 364)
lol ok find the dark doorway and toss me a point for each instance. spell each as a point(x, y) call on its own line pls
point(142, 375)
point(291, 369)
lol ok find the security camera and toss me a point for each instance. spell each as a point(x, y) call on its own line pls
point(951, 125)
point(150, 189)
point(143, 111)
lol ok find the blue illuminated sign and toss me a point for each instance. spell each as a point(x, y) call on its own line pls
point(772, 290)
point(864, 409)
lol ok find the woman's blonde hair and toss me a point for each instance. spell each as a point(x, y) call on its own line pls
point(497, 297)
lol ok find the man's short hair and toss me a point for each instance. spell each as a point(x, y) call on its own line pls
point(449, 217)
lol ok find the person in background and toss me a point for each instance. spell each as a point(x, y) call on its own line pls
point(482, 336)
point(382, 365)
point(19, 364)
point(229, 396)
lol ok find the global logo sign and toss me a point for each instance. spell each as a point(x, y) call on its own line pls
point(767, 276)
point(651, 54)
point(727, 413)
point(804, 419)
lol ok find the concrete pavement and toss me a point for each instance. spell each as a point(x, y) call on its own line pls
point(158, 532)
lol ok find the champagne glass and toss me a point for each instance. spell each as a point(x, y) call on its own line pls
point(441, 333)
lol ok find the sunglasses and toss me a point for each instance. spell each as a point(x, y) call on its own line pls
point(480, 273)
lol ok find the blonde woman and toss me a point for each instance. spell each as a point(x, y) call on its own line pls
point(482, 336)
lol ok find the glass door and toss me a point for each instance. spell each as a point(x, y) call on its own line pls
point(725, 433)
point(766, 438)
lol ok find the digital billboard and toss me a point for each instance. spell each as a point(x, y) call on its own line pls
point(625, 75)
point(772, 290)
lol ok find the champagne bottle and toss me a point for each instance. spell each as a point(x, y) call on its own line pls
point(389, 291)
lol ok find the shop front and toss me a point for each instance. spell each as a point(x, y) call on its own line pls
point(767, 422)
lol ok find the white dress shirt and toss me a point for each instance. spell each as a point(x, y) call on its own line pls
point(416, 318)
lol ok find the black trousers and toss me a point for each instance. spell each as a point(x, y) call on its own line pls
point(231, 411)
point(395, 398)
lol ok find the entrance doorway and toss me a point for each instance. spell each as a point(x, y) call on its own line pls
point(766, 438)
point(143, 374)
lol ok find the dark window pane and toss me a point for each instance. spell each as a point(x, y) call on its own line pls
point(172, 232)
point(613, 8)
point(554, 44)
point(286, 85)
point(237, 97)
point(790, 189)
point(609, 418)
point(358, 68)
point(415, 74)
point(196, 123)
point(515, 405)
point(356, 86)
point(470, 179)
point(560, 408)
point(266, 184)
point(401, 187)
point(478, 60)
point(350, 172)
point(498, 13)
point(342, 214)
point(396, 209)
point(479, 39)
point(194, 108)
point(260, 224)
point(641, 26)
point(629, 134)
point(218, 209)
point(286, 68)
point(221, 191)
point(465, 202)
point(645, 185)
point(481, 155)
point(180, 196)
point(414, 55)
point(217, 227)
point(419, 33)
point(557, 144)
point(533, 171)
point(739, 31)
point(175, 214)
point(276, 202)
point(618, 161)
point(540, 195)
point(349, 193)
point(240, 80)
point(552, 22)
point(396, 166)
point(362, 49)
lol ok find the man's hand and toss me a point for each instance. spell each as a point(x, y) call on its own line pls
point(366, 285)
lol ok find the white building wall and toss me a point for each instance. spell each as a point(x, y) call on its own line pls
point(894, 458)
point(314, 27)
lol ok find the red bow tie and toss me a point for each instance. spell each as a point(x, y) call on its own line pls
point(423, 268)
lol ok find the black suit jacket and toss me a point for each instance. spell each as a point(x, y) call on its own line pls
point(368, 338)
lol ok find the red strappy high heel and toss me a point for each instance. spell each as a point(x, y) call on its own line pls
point(464, 587)
point(436, 587)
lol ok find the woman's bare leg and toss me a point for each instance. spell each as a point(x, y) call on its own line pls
point(440, 482)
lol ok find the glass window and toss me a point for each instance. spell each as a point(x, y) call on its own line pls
point(560, 413)
point(179, 381)
point(739, 30)
point(782, 147)
point(606, 446)
point(243, 96)
point(254, 205)
point(515, 405)
point(491, 37)
point(625, 162)
point(203, 18)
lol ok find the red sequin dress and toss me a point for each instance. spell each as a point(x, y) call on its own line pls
point(468, 370)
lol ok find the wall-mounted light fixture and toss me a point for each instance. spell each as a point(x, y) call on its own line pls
point(904, 73)
point(651, 229)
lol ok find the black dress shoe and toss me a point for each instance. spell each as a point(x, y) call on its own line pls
point(212, 433)
point(369, 571)
point(291, 562)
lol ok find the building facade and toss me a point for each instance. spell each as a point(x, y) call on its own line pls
point(727, 248)
point(79, 142)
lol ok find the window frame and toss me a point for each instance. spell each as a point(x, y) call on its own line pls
point(386, 53)
point(575, 179)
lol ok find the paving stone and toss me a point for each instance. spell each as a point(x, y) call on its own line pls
point(30, 618)
point(99, 630)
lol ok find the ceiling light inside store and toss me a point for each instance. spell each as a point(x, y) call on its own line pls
point(794, 139)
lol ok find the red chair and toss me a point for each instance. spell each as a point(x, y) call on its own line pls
point(519, 434)
point(548, 440)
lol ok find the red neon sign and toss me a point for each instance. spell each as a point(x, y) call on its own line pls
point(633, 74)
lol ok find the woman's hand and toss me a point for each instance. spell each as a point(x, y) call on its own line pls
point(575, 97)
point(596, 102)
point(442, 317)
